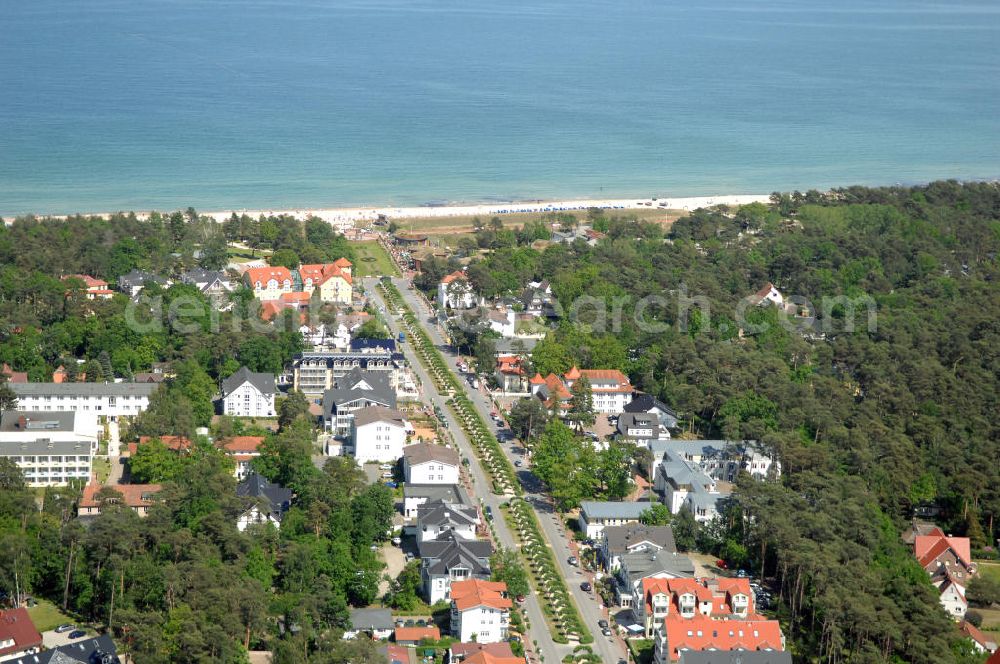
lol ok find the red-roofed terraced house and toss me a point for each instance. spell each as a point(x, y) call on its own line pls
point(661, 598)
point(702, 633)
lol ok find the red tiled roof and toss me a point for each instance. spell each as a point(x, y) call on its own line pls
point(994, 658)
point(703, 633)
point(488, 658)
point(269, 310)
point(298, 297)
point(467, 649)
point(417, 633)
point(928, 547)
point(510, 364)
point(14, 376)
point(16, 626)
point(241, 444)
point(765, 289)
point(264, 274)
point(133, 495)
point(971, 631)
point(92, 282)
point(457, 274)
point(175, 443)
point(573, 374)
point(343, 262)
point(398, 654)
point(537, 379)
point(474, 592)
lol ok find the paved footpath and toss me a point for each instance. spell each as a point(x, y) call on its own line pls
point(610, 649)
point(539, 629)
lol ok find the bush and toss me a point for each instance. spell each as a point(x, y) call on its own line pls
point(974, 618)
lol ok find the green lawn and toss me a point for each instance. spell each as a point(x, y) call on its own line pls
point(371, 260)
point(47, 615)
point(990, 570)
point(103, 468)
point(642, 650)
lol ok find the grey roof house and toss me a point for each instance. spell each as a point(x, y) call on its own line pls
point(355, 390)
point(595, 515)
point(89, 650)
point(646, 403)
point(248, 394)
point(634, 538)
point(131, 283)
point(452, 558)
point(270, 503)
point(377, 622)
point(637, 566)
point(415, 495)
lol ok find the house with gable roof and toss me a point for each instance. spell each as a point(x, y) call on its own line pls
point(268, 501)
point(450, 559)
point(633, 538)
point(948, 560)
point(658, 599)
point(18, 634)
point(333, 281)
point(93, 288)
point(436, 518)
point(510, 375)
point(679, 636)
point(268, 283)
point(353, 391)
point(480, 611)
point(455, 291)
point(378, 434)
point(429, 463)
point(610, 389)
point(248, 394)
point(242, 450)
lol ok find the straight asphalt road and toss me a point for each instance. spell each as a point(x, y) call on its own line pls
point(483, 487)
point(610, 649)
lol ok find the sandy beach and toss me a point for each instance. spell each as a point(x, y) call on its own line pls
point(347, 216)
point(341, 215)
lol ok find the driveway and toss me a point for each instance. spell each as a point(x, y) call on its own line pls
point(52, 639)
point(395, 561)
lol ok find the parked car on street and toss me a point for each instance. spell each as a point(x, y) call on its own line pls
point(572, 560)
point(602, 623)
point(586, 587)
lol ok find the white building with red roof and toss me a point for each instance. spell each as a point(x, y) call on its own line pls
point(480, 611)
point(455, 291)
point(610, 389)
point(510, 375)
point(660, 598)
point(949, 562)
point(702, 633)
point(94, 289)
point(268, 283)
point(242, 450)
point(18, 634)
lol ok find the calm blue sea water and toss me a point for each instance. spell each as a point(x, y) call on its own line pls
point(114, 104)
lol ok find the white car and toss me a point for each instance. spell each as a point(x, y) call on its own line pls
point(397, 540)
point(386, 466)
point(387, 475)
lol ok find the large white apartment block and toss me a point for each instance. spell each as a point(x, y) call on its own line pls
point(111, 400)
point(248, 394)
point(50, 448)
